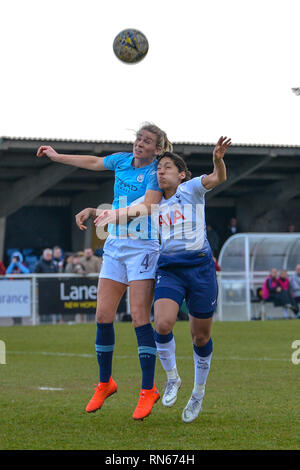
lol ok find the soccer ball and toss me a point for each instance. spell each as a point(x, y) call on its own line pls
point(130, 46)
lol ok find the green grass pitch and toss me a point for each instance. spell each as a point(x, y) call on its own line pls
point(251, 402)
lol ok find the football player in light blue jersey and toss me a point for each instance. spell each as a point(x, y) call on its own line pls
point(186, 270)
point(127, 260)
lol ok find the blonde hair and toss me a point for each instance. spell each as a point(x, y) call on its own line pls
point(162, 138)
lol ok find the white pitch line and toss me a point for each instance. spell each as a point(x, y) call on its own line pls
point(52, 389)
point(92, 356)
point(48, 353)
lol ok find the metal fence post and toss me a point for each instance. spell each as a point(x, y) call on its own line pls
point(34, 299)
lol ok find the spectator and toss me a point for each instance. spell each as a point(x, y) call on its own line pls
point(295, 285)
point(2, 269)
point(58, 258)
point(90, 262)
point(271, 287)
point(46, 263)
point(285, 294)
point(16, 265)
point(68, 262)
point(276, 289)
point(74, 265)
point(218, 267)
point(213, 238)
point(291, 228)
point(233, 227)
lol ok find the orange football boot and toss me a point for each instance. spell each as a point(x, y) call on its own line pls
point(145, 403)
point(103, 391)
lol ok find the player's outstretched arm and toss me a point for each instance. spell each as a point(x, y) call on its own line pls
point(84, 215)
point(218, 175)
point(89, 162)
point(123, 215)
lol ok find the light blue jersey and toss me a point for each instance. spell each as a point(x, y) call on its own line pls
point(130, 187)
point(182, 225)
point(131, 251)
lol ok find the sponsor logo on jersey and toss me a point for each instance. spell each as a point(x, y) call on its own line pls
point(167, 220)
point(125, 186)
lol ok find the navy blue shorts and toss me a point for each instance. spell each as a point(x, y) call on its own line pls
point(196, 284)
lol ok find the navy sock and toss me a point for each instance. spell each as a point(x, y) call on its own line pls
point(105, 342)
point(163, 338)
point(147, 354)
point(204, 351)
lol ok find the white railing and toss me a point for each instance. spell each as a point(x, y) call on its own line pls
point(241, 299)
point(34, 293)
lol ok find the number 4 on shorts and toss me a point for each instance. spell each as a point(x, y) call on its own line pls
point(145, 262)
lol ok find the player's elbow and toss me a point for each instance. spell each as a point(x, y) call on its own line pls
point(96, 164)
point(217, 181)
point(220, 178)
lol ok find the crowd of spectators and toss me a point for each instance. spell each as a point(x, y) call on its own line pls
point(85, 262)
point(283, 291)
point(278, 289)
point(53, 261)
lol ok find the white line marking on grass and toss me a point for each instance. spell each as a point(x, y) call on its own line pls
point(50, 388)
point(92, 356)
point(242, 358)
point(48, 353)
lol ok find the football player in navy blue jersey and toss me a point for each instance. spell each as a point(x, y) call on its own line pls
point(186, 270)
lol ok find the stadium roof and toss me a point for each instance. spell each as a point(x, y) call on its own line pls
point(258, 172)
point(17, 139)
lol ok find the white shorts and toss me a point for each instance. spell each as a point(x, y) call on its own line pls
point(126, 260)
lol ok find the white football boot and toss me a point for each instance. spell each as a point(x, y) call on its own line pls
point(171, 390)
point(193, 407)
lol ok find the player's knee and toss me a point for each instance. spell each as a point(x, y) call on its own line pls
point(100, 318)
point(200, 339)
point(163, 326)
point(140, 316)
point(103, 316)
